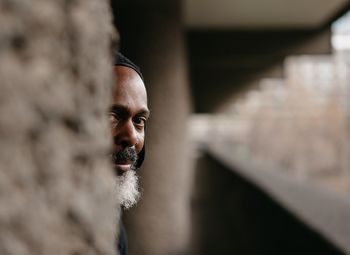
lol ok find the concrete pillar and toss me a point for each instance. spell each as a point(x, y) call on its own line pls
point(56, 183)
point(152, 36)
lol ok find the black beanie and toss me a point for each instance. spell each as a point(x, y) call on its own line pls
point(121, 60)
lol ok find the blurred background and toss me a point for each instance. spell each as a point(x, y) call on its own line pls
point(248, 146)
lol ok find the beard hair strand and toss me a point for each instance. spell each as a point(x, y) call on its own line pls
point(128, 191)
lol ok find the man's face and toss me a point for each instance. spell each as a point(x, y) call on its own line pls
point(128, 116)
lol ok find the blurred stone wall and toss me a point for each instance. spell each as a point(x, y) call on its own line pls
point(298, 125)
point(56, 184)
point(231, 215)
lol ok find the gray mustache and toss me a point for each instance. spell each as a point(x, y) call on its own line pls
point(128, 154)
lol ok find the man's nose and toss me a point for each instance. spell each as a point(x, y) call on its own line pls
point(125, 134)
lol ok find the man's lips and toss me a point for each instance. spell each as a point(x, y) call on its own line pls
point(123, 160)
point(122, 167)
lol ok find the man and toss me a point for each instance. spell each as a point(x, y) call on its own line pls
point(128, 117)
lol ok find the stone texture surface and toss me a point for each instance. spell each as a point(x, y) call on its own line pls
point(56, 185)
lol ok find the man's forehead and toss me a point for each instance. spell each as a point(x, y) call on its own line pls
point(130, 89)
point(129, 78)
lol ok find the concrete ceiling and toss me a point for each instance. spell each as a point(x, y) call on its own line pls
point(260, 14)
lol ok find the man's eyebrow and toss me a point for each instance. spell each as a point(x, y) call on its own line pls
point(145, 112)
point(118, 108)
point(124, 110)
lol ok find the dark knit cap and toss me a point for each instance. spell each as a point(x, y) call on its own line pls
point(121, 60)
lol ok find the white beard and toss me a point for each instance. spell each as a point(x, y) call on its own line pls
point(128, 193)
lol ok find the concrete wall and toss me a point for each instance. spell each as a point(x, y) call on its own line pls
point(56, 184)
point(232, 216)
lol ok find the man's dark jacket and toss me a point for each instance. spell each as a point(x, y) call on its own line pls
point(122, 241)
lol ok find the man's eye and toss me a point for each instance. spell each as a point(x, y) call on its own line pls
point(140, 121)
point(113, 119)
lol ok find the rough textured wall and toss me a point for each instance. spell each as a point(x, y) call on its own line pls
point(56, 184)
